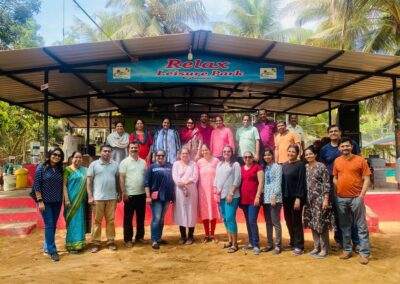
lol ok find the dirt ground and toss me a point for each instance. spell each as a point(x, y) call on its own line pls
point(23, 261)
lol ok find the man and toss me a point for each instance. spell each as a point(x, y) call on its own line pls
point(266, 129)
point(248, 139)
point(160, 191)
point(104, 193)
point(296, 128)
point(131, 178)
point(283, 140)
point(328, 154)
point(205, 128)
point(351, 176)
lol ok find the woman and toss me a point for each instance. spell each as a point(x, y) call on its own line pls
point(227, 182)
point(250, 193)
point(294, 196)
point(318, 210)
point(220, 137)
point(159, 187)
point(207, 202)
point(191, 139)
point(48, 187)
point(167, 140)
point(185, 175)
point(272, 201)
point(74, 203)
point(119, 141)
point(143, 137)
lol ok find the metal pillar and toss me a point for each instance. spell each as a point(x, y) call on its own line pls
point(330, 113)
point(45, 91)
point(110, 121)
point(396, 112)
point(87, 124)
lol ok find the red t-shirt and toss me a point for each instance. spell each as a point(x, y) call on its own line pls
point(248, 190)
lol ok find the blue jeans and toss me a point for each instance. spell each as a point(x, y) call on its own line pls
point(353, 210)
point(50, 216)
point(158, 210)
point(251, 214)
point(228, 212)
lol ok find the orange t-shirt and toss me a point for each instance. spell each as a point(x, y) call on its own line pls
point(349, 174)
point(282, 143)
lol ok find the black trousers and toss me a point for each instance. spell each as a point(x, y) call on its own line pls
point(294, 222)
point(134, 204)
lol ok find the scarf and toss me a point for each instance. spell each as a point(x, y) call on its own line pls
point(117, 141)
point(187, 134)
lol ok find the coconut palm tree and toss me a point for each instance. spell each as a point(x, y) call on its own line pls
point(251, 18)
point(151, 17)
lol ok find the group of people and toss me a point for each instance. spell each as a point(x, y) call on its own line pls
point(207, 173)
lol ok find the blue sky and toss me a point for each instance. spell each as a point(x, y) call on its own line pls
point(50, 17)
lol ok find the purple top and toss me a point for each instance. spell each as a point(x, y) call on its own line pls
point(267, 131)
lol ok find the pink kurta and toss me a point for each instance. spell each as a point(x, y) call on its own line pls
point(185, 207)
point(208, 206)
point(221, 137)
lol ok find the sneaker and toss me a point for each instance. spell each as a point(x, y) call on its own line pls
point(256, 250)
point(128, 244)
point(345, 255)
point(141, 241)
point(276, 251)
point(314, 252)
point(155, 245)
point(248, 247)
point(189, 241)
point(112, 246)
point(95, 249)
point(55, 257)
point(227, 245)
point(297, 252)
point(267, 249)
point(363, 259)
point(321, 255)
point(162, 242)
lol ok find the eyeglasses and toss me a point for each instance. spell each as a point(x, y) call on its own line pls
point(247, 157)
point(56, 155)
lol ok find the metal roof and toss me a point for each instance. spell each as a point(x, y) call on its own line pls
point(316, 78)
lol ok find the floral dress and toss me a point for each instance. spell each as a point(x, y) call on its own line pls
point(318, 185)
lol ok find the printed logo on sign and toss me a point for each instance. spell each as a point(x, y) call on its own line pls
point(269, 73)
point(122, 73)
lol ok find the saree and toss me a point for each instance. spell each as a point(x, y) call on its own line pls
point(75, 214)
point(192, 140)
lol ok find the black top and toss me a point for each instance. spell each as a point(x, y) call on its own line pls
point(294, 180)
point(159, 178)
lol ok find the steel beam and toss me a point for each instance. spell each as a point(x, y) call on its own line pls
point(342, 86)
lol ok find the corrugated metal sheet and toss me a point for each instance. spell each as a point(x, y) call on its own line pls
point(321, 85)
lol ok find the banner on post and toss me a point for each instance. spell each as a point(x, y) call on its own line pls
point(202, 69)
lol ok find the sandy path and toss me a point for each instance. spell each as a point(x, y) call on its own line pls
point(22, 261)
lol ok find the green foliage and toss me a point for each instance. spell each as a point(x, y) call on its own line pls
point(18, 127)
point(16, 21)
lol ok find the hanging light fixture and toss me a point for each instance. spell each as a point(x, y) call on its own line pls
point(190, 54)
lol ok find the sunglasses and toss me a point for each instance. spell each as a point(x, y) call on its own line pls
point(56, 155)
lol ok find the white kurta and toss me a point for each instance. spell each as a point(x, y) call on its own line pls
point(185, 207)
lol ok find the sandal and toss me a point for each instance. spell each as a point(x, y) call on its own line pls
point(227, 245)
point(233, 249)
point(206, 239)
